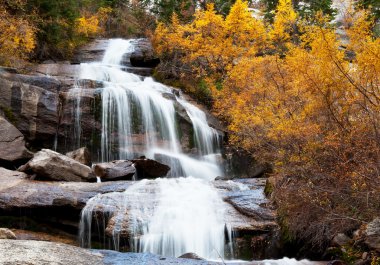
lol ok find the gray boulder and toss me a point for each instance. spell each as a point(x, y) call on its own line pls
point(115, 170)
point(12, 143)
point(148, 168)
point(47, 164)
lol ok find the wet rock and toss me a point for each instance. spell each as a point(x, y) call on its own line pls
point(87, 83)
point(41, 252)
point(82, 155)
point(340, 240)
point(190, 256)
point(92, 52)
point(47, 164)
point(5, 233)
point(90, 121)
point(148, 168)
point(241, 164)
point(251, 216)
point(12, 143)
point(143, 54)
point(115, 170)
point(176, 168)
point(251, 203)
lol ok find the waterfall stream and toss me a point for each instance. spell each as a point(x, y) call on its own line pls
point(170, 216)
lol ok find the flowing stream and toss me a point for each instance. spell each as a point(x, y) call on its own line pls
point(169, 216)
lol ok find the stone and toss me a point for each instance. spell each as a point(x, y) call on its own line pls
point(115, 170)
point(340, 240)
point(143, 54)
point(12, 143)
point(148, 168)
point(5, 233)
point(50, 165)
point(82, 155)
point(242, 164)
point(372, 235)
point(91, 52)
point(190, 256)
point(251, 203)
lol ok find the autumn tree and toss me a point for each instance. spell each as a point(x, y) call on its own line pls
point(17, 34)
point(289, 93)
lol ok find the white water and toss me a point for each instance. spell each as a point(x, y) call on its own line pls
point(207, 139)
point(164, 216)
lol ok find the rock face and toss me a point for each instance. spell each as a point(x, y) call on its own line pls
point(143, 55)
point(47, 164)
point(115, 170)
point(6, 234)
point(82, 155)
point(12, 143)
point(241, 164)
point(148, 168)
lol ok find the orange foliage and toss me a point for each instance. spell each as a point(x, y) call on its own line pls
point(298, 102)
point(17, 38)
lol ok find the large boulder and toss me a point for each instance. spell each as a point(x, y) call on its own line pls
point(50, 165)
point(82, 155)
point(148, 168)
point(115, 170)
point(12, 143)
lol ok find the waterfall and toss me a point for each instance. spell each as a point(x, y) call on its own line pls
point(170, 216)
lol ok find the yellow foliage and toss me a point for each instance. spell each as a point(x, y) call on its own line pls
point(299, 103)
point(284, 23)
point(17, 38)
point(91, 25)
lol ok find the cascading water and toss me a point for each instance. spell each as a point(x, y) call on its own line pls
point(164, 216)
